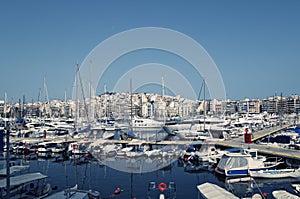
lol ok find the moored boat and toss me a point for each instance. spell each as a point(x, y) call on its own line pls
point(31, 185)
point(276, 173)
point(14, 169)
point(283, 194)
point(240, 164)
point(212, 191)
point(146, 123)
point(75, 193)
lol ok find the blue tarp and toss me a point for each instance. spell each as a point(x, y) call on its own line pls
point(20, 120)
point(130, 135)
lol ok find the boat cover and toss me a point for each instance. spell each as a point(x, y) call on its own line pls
point(212, 191)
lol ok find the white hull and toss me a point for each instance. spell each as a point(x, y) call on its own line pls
point(280, 173)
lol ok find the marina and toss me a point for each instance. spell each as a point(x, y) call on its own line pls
point(93, 163)
point(86, 156)
point(149, 100)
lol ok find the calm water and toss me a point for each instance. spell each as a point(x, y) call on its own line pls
point(106, 180)
point(135, 185)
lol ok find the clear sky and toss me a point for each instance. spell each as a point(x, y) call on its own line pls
point(255, 44)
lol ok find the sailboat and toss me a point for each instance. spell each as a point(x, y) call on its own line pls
point(197, 129)
point(85, 127)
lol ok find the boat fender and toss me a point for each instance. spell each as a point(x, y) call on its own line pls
point(162, 186)
point(161, 196)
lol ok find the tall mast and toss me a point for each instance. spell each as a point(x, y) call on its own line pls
point(105, 101)
point(46, 98)
point(83, 96)
point(77, 100)
point(7, 151)
point(163, 94)
point(131, 104)
point(91, 115)
point(204, 105)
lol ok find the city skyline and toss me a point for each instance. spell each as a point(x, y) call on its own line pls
point(254, 44)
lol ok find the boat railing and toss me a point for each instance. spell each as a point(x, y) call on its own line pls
point(273, 160)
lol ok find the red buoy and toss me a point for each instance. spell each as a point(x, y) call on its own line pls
point(117, 191)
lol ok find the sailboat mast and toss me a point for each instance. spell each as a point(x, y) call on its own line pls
point(204, 105)
point(46, 98)
point(7, 151)
point(77, 100)
point(90, 93)
point(83, 96)
point(163, 94)
point(105, 102)
point(131, 104)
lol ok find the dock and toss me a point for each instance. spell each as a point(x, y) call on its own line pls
point(268, 149)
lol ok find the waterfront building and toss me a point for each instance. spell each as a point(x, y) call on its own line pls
point(243, 106)
point(160, 109)
point(281, 105)
point(147, 109)
point(229, 107)
point(153, 105)
point(275, 104)
point(269, 105)
point(252, 106)
point(255, 106)
point(293, 104)
point(215, 107)
point(173, 108)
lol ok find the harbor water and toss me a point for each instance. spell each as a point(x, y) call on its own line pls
point(96, 175)
point(93, 176)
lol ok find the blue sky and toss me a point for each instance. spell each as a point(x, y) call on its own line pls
point(255, 44)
